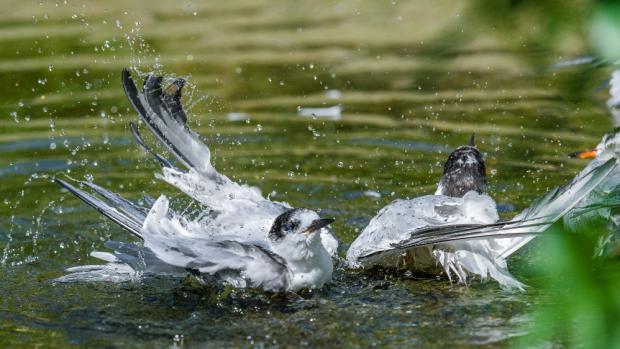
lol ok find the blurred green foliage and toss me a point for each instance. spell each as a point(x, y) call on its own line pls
point(534, 23)
point(580, 295)
point(551, 24)
point(604, 28)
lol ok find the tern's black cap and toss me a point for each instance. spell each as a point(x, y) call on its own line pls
point(281, 223)
point(465, 170)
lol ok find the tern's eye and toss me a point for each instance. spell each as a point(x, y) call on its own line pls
point(293, 225)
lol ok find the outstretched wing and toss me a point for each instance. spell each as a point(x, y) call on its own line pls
point(126, 262)
point(161, 110)
point(510, 235)
point(125, 213)
point(242, 263)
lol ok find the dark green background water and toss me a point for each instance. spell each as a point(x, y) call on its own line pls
point(415, 82)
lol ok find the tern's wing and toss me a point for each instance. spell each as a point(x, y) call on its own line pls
point(125, 213)
point(401, 220)
point(512, 235)
point(161, 110)
point(242, 263)
point(126, 262)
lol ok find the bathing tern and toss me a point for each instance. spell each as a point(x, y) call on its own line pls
point(457, 231)
point(243, 238)
point(600, 207)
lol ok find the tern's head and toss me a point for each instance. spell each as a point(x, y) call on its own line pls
point(296, 237)
point(297, 223)
point(610, 145)
point(464, 171)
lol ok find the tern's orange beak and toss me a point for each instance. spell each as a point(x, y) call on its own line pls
point(585, 154)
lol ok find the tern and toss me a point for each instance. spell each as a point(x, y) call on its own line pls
point(600, 207)
point(243, 238)
point(457, 231)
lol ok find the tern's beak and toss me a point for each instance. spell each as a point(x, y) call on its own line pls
point(584, 154)
point(318, 224)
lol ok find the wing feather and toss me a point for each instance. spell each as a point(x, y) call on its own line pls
point(251, 263)
point(127, 216)
point(532, 221)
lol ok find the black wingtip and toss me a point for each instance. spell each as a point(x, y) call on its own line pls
point(179, 83)
point(111, 213)
point(127, 81)
point(152, 84)
point(472, 140)
point(171, 97)
point(62, 183)
point(131, 91)
point(136, 135)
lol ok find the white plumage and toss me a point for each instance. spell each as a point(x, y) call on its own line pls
point(613, 102)
point(600, 206)
point(395, 223)
point(243, 239)
point(461, 236)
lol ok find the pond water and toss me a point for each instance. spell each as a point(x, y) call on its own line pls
point(401, 85)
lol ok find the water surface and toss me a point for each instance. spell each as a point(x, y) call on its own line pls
point(412, 81)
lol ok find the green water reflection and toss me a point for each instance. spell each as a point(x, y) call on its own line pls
point(414, 80)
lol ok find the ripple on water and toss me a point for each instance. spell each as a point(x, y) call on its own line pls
point(29, 167)
point(413, 96)
point(409, 145)
point(44, 143)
